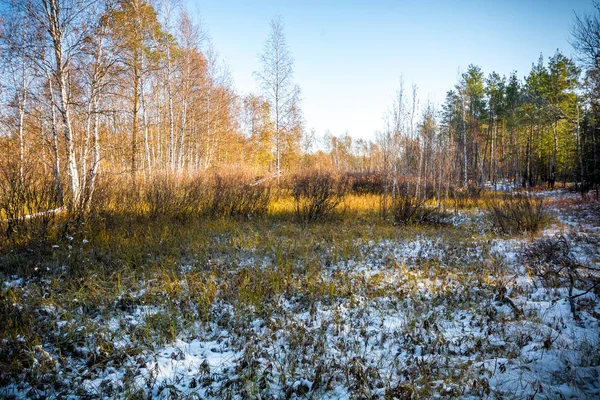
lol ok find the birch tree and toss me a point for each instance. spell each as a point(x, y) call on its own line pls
point(64, 33)
point(276, 79)
point(16, 60)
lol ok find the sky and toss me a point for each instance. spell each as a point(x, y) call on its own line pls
point(349, 56)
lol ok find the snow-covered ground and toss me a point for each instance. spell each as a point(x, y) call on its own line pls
point(426, 317)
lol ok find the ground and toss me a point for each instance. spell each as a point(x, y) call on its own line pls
point(288, 311)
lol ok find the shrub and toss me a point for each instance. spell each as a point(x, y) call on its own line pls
point(465, 198)
point(179, 196)
point(176, 196)
point(367, 182)
point(114, 194)
point(28, 199)
point(164, 195)
point(516, 213)
point(407, 210)
point(197, 195)
point(238, 194)
point(318, 193)
point(552, 260)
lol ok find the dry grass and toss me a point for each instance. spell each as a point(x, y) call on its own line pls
point(148, 268)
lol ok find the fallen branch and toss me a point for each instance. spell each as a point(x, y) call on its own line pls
point(267, 178)
point(39, 214)
point(504, 299)
point(586, 292)
point(516, 310)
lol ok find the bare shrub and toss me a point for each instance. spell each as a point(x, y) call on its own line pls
point(177, 196)
point(460, 198)
point(196, 195)
point(164, 195)
point(114, 195)
point(465, 198)
point(367, 182)
point(28, 199)
point(108, 195)
point(238, 194)
point(170, 195)
point(317, 193)
point(516, 213)
point(551, 259)
point(408, 210)
point(475, 191)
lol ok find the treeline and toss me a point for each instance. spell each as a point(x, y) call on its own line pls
point(133, 89)
point(124, 87)
point(491, 130)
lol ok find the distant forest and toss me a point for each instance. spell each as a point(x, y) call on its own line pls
point(123, 88)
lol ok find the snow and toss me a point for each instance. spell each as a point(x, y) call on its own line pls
point(441, 320)
point(176, 366)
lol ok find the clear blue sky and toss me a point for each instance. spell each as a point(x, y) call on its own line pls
point(349, 55)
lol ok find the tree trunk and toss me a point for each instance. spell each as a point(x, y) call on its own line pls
point(148, 166)
point(180, 158)
point(579, 155)
point(554, 151)
point(56, 168)
point(65, 113)
point(465, 160)
point(93, 172)
point(55, 27)
point(170, 103)
point(134, 127)
point(21, 136)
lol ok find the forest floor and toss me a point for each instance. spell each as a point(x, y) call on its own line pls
point(333, 310)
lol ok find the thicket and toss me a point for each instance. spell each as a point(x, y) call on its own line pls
point(29, 199)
